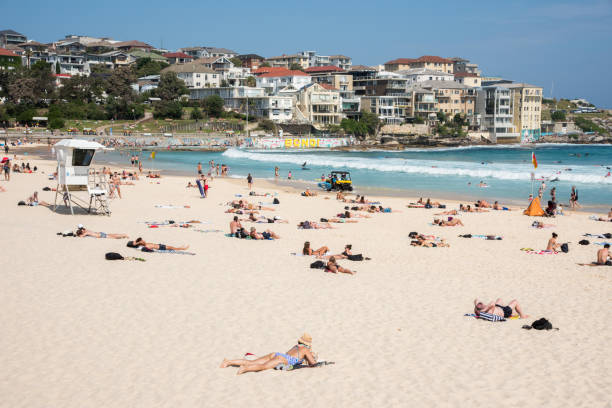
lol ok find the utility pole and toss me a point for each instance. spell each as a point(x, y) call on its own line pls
point(247, 113)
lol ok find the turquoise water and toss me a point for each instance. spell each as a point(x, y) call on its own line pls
point(444, 172)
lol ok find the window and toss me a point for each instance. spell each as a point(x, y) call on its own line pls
point(82, 157)
point(197, 84)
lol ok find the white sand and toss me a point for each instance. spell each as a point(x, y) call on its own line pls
point(80, 331)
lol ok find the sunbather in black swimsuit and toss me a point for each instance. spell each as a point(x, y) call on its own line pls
point(507, 310)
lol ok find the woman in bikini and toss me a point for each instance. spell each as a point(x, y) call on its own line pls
point(83, 232)
point(295, 356)
point(307, 250)
point(333, 267)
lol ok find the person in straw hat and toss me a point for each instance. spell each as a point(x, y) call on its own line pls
point(295, 356)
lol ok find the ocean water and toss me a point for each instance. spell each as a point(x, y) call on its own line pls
point(442, 172)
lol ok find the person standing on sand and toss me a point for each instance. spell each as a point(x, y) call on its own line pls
point(289, 175)
point(250, 181)
point(498, 309)
point(140, 167)
point(7, 170)
point(295, 356)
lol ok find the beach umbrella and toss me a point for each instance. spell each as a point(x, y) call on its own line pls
point(4, 159)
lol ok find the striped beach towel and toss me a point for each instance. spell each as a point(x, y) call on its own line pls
point(487, 316)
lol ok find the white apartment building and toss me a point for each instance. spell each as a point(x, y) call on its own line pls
point(494, 105)
point(527, 109)
point(274, 81)
point(423, 74)
point(195, 76)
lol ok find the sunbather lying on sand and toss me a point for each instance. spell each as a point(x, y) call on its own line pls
point(498, 207)
point(263, 219)
point(295, 356)
point(83, 232)
point(449, 223)
point(308, 193)
point(540, 224)
point(428, 243)
point(449, 212)
point(267, 234)
point(161, 247)
point(342, 220)
point(333, 267)
point(468, 208)
point(307, 250)
point(348, 214)
point(33, 201)
point(483, 204)
point(416, 235)
point(498, 309)
point(314, 225)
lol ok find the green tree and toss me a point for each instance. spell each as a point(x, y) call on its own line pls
point(459, 120)
point(371, 121)
point(58, 70)
point(119, 84)
point(236, 61)
point(267, 125)
point(265, 65)
point(224, 83)
point(147, 66)
point(170, 87)
point(441, 117)
point(26, 116)
point(44, 84)
point(196, 114)
point(213, 106)
point(22, 90)
point(167, 109)
point(251, 81)
point(55, 123)
point(296, 67)
point(558, 116)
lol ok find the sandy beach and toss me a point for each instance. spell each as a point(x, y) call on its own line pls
point(81, 331)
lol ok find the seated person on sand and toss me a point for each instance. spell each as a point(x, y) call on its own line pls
point(603, 256)
point(189, 184)
point(161, 247)
point(497, 207)
point(347, 254)
point(33, 201)
point(83, 232)
point(333, 267)
point(235, 226)
point(267, 234)
point(308, 193)
point(295, 356)
point(498, 309)
point(307, 250)
point(314, 225)
point(420, 241)
point(449, 223)
point(432, 203)
point(552, 243)
point(340, 196)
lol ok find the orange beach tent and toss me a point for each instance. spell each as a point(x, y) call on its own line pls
point(534, 209)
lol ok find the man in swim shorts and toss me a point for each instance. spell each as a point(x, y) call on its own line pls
point(497, 308)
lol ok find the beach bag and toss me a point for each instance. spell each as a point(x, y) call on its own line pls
point(466, 236)
point(21, 203)
point(324, 220)
point(583, 242)
point(241, 233)
point(46, 189)
point(442, 206)
point(112, 256)
point(607, 235)
point(317, 265)
point(427, 205)
point(275, 201)
point(564, 248)
point(540, 324)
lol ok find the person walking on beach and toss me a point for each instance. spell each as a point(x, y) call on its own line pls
point(289, 175)
point(7, 170)
point(574, 198)
point(295, 356)
point(250, 181)
point(199, 168)
point(276, 170)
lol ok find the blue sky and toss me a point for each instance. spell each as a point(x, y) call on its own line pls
point(540, 42)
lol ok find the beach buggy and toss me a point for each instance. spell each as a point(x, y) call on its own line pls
point(338, 180)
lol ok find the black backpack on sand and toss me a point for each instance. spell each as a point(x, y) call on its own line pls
point(540, 324)
point(317, 265)
point(565, 248)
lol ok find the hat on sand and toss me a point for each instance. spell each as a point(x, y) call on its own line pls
point(276, 217)
point(305, 339)
point(80, 226)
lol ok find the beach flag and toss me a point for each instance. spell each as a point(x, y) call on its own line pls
point(152, 155)
point(534, 160)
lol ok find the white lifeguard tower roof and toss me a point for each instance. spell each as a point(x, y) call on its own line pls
point(79, 144)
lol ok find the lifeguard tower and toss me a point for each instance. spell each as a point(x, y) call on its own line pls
point(74, 158)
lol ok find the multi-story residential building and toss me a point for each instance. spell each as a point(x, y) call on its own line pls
point(195, 76)
point(422, 74)
point(138, 54)
point(286, 61)
point(236, 76)
point(332, 75)
point(494, 105)
point(379, 84)
point(341, 61)
point(274, 81)
point(452, 98)
point(321, 107)
point(527, 109)
point(178, 58)
point(146, 83)
point(133, 45)
point(252, 61)
point(219, 64)
point(11, 37)
point(208, 52)
point(8, 59)
point(430, 62)
point(392, 110)
point(463, 65)
point(274, 107)
point(468, 78)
